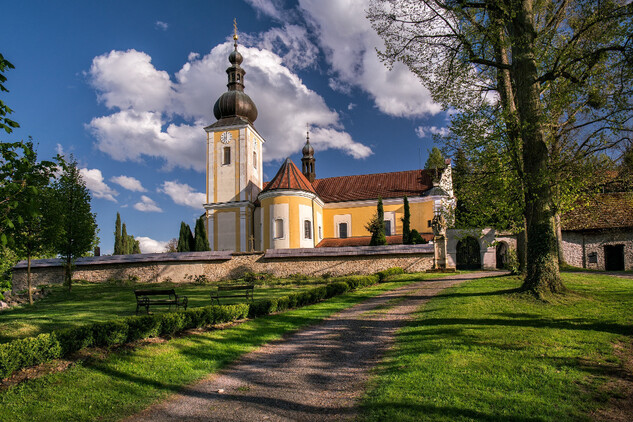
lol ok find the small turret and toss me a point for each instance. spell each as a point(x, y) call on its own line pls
point(307, 160)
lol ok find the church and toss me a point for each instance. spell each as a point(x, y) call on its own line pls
point(296, 209)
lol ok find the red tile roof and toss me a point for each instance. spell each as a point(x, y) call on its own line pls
point(372, 186)
point(289, 177)
point(334, 242)
point(603, 211)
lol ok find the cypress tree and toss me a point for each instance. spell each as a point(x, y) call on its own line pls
point(117, 235)
point(406, 223)
point(136, 248)
point(125, 239)
point(183, 238)
point(192, 241)
point(202, 242)
point(377, 226)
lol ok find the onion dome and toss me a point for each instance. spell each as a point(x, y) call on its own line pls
point(307, 150)
point(234, 102)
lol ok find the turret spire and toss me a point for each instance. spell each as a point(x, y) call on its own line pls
point(307, 161)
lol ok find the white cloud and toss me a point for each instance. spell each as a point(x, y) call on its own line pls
point(147, 204)
point(94, 182)
point(142, 125)
point(351, 106)
point(425, 131)
point(270, 8)
point(291, 43)
point(128, 80)
point(349, 42)
point(149, 245)
point(161, 25)
point(129, 183)
point(183, 194)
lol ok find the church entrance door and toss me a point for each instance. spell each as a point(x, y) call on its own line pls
point(502, 255)
point(468, 254)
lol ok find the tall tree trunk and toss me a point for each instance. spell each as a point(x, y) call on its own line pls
point(28, 278)
point(559, 240)
point(542, 252)
point(69, 274)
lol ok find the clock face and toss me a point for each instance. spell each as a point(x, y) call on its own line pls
point(225, 137)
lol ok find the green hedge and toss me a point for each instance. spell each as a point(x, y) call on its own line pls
point(384, 274)
point(31, 351)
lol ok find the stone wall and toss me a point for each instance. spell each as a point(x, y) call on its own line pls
point(410, 258)
point(585, 249)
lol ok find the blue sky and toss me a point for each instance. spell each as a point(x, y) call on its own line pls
point(127, 86)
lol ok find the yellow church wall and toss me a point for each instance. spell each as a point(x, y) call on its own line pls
point(293, 225)
point(235, 233)
point(421, 212)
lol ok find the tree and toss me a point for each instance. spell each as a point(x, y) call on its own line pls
point(552, 65)
point(172, 245)
point(406, 223)
point(376, 226)
point(136, 245)
point(5, 123)
point(69, 221)
point(125, 241)
point(28, 237)
point(185, 241)
point(118, 249)
point(201, 239)
point(435, 160)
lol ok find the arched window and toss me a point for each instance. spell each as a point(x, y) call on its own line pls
point(307, 229)
point(227, 156)
point(342, 230)
point(255, 159)
point(279, 228)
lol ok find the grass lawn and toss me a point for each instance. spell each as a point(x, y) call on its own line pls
point(481, 352)
point(89, 302)
point(129, 380)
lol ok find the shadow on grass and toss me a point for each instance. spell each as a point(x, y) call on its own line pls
point(385, 410)
point(526, 320)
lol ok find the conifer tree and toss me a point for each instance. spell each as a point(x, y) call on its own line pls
point(435, 160)
point(406, 223)
point(184, 245)
point(377, 226)
point(201, 240)
point(117, 235)
point(125, 241)
point(136, 246)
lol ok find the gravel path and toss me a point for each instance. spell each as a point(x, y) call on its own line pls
point(316, 374)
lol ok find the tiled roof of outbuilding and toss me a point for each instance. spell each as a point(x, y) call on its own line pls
point(373, 186)
point(603, 211)
point(289, 177)
point(334, 242)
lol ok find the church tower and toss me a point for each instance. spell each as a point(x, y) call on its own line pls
point(234, 173)
point(307, 161)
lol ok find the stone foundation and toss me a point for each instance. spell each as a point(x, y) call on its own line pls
point(410, 258)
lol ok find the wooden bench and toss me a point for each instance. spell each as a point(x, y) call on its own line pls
point(168, 297)
point(246, 291)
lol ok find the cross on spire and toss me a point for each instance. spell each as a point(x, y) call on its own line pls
point(235, 29)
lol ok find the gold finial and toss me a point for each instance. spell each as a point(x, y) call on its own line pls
point(307, 132)
point(235, 29)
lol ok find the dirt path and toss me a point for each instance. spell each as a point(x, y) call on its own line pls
point(316, 374)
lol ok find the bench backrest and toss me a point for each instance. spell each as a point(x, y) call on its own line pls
point(170, 292)
point(238, 287)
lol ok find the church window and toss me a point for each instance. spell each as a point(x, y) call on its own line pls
point(255, 159)
point(429, 223)
point(238, 77)
point(307, 229)
point(279, 228)
point(320, 233)
point(342, 230)
point(227, 156)
point(387, 227)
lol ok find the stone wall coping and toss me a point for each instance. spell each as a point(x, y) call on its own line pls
point(349, 251)
point(135, 258)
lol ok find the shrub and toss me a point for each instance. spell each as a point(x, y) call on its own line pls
point(171, 323)
point(109, 333)
point(262, 307)
point(336, 288)
point(141, 327)
point(73, 339)
point(384, 274)
point(28, 352)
